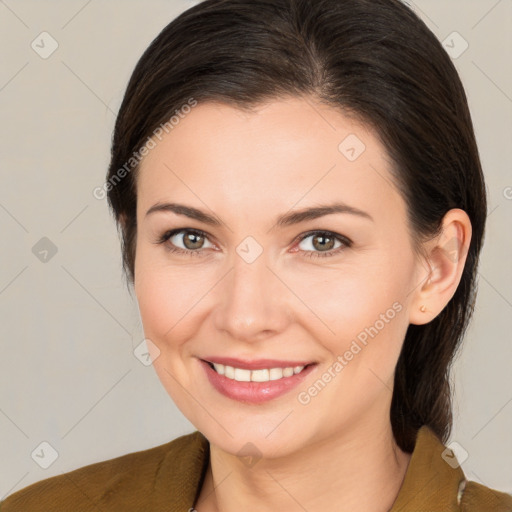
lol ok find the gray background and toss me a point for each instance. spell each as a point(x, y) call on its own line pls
point(68, 374)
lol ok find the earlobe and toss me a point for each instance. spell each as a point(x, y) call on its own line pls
point(445, 257)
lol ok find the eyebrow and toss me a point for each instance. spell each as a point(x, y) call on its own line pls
point(288, 219)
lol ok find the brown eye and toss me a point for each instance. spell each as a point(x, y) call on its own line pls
point(185, 240)
point(319, 241)
point(323, 243)
point(193, 240)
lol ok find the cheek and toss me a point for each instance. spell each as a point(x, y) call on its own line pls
point(359, 310)
point(166, 301)
point(165, 294)
point(345, 299)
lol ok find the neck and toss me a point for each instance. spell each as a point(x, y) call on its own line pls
point(358, 470)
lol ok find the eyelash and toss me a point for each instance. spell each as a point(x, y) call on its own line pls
point(346, 243)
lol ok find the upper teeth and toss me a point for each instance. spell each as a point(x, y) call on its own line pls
point(255, 375)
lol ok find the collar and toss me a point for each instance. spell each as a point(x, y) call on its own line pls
point(433, 476)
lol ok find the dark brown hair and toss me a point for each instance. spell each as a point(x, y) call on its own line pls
point(372, 59)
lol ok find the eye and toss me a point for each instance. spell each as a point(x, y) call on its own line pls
point(185, 241)
point(191, 242)
point(323, 243)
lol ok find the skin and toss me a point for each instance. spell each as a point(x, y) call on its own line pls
point(247, 168)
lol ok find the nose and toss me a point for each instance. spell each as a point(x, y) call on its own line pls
point(253, 303)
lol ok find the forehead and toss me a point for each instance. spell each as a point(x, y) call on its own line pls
point(282, 152)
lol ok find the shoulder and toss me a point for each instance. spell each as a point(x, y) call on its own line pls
point(126, 482)
point(477, 498)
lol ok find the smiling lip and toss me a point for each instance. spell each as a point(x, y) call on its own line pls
point(256, 364)
point(255, 392)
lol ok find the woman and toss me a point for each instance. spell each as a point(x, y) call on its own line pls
point(302, 207)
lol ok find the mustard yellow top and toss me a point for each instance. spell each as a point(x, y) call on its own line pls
point(169, 477)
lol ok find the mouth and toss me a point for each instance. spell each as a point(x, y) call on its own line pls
point(257, 381)
point(267, 374)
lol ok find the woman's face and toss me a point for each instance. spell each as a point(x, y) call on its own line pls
point(332, 291)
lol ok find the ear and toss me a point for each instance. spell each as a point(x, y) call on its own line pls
point(441, 267)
